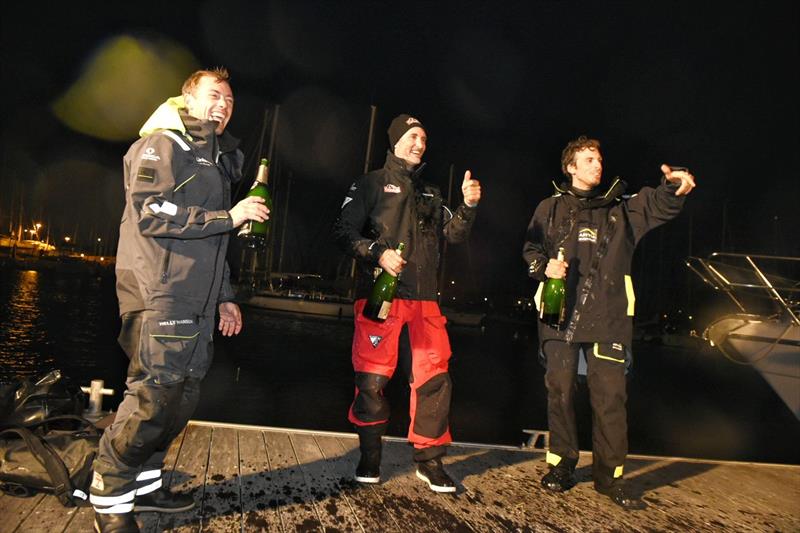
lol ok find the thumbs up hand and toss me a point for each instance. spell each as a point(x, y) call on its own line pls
point(471, 189)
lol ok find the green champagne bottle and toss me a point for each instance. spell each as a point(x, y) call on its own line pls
point(380, 300)
point(553, 308)
point(252, 233)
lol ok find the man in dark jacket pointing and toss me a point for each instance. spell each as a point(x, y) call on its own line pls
point(599, 230)
point(381, 210)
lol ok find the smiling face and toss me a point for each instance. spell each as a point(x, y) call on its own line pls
point(211, 99)
point(586, 169)
point(411, 146)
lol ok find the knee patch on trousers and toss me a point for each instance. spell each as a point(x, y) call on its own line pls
point(370, 404)
point(433, 406)
point(145, 428)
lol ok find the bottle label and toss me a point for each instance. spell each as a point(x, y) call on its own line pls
point(383, 312)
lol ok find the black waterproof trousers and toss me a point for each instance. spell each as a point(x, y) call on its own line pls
point(607, 394)
point(169, 355)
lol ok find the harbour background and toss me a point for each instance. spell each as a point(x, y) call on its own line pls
point(291, 371)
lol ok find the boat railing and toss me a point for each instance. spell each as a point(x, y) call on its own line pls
point(745, 276)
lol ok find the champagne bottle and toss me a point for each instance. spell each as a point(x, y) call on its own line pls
point(552, 308)
point(380, 300)
point(254, 234)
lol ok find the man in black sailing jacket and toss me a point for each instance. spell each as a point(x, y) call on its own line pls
point(382, 209)
point(599, 230)
point(172, 278)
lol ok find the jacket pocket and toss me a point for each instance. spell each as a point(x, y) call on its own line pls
point(169, 346)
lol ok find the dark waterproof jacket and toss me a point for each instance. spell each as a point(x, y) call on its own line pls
point(599, 233)
point(174, 229)
point(392, 205)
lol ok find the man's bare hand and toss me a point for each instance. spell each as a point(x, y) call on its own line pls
point(251, 208)
point(391, 262)
point(556, 269)
point(683, 176)
point(471, 189)
point(230, 319)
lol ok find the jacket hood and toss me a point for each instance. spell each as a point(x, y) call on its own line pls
point(166, 117)
point(173, 115)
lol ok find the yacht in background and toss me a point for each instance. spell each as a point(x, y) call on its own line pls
point(764, 329)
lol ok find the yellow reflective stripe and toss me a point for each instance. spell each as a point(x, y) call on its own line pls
point(538, 296)
point(601, 356)
point(175, 336)
point(630, 294)
point(618, 472)
point(552, 459)
point(190, 178)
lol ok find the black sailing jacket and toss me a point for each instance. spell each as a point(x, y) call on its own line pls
point(174, 229)
point(392, 205)
point(600, 229)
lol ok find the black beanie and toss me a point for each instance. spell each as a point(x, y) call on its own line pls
point(400, 125)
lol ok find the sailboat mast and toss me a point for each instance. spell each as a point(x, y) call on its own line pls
point(444, 246)
point(367, 163)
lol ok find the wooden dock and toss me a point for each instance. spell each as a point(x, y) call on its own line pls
point(247, 478)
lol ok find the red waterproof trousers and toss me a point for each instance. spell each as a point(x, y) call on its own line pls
point(375, 346)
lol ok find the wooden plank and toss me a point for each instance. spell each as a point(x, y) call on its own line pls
point(499, 491)
point(407, 497)
point(188, 476)
point(334, 509)
point(222, 506)
point(16, 510)
point(47, 516)
point(368, 507)
point(294, 498)
point(81, 521)
point(259, 504)
point(149, 521)
point(483, 497)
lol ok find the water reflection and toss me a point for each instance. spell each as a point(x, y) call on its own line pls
point(51, 320)
point(21, 328)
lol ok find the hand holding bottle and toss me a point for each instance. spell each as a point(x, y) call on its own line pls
point(379, 303)
point(391, 262)
point(251, 208)
point(556, 269)
point(552, 307)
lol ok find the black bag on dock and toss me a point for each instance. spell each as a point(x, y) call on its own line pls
point(33, 401)
point(53, 456)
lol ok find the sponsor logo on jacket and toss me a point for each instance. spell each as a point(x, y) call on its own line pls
point(175, 322)
point(391, 188)
point(150, 154)
point(587, 235)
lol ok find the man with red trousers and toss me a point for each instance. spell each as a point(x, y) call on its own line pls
point(382, 209)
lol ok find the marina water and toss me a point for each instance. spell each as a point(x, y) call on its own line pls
point(295, 371)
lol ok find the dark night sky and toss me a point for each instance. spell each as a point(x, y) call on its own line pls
point(710, 85)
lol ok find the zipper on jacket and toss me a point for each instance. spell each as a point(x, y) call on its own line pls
point(165, 263)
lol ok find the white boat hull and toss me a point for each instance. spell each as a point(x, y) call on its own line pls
point(770, 345)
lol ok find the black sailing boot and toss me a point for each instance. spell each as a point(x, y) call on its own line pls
point(115, 523)
point(369, 466)
point(163, 501)
point(619, 494)
point(432, 472)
